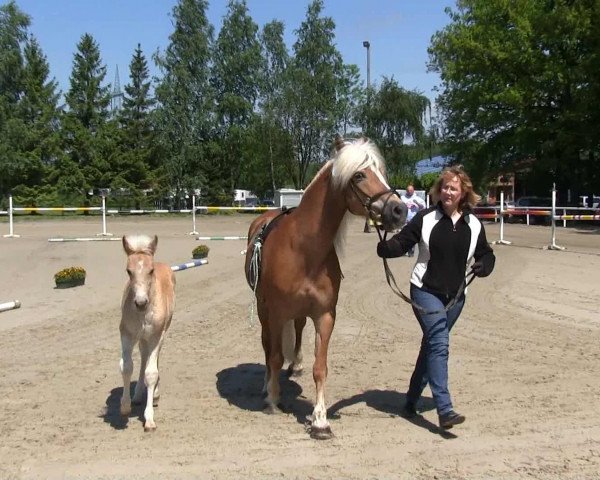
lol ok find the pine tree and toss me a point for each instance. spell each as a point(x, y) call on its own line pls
point(235, 79)
point(185, 98)
point(86, 137)
point(314, 83)
point(134, 158)
point(13, 34)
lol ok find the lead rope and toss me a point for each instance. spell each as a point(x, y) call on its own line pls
point(391, 281)
point(254, 270)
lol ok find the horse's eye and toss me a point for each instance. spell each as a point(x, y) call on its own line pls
point(358, 176)
point(151, 271)
point(128, 272)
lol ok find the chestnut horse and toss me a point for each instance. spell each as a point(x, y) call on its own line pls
point(146, 312)
point(292, 262)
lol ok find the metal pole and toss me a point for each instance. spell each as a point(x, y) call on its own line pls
point(193, 232)
point(553, 245)
point(502, 241)
point(11, 232)
point(104, 232)
point(367, 45)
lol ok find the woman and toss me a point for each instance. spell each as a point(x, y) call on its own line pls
point(449, 236)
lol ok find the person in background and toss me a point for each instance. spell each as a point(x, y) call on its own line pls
point(449, 238)
point(414, 203)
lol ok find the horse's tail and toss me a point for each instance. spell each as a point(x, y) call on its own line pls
point(288, 340)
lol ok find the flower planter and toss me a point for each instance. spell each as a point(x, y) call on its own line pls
point(201, 251)
point(70, 277)
point(76, 282)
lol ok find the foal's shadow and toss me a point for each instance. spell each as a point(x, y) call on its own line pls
point(390, 402)
point(242, 386)
point(112, 411)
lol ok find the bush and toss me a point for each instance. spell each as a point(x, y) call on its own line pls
point(71, 276)
point(201, 251)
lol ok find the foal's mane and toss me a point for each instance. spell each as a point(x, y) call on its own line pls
point(352, 157)
point(140, 243)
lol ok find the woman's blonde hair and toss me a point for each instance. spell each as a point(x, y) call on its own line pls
point(469, 197)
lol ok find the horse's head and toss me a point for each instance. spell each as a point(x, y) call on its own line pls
point(358, 167)
point(140, 266)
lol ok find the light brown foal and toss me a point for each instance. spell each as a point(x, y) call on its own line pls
point(147, 309)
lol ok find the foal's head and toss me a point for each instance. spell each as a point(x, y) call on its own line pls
point(358, 167)
point(140, 266)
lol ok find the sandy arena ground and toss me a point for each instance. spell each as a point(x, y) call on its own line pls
point(524, 366)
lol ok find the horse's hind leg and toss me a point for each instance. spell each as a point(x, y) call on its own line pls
point(151, 379)
point(320, 428)
point(126, 364)
point(266, 347)
point(295, 369)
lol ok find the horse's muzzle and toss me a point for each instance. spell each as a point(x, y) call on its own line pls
point(394, 214)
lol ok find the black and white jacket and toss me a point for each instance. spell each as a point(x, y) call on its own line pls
point(445, 249)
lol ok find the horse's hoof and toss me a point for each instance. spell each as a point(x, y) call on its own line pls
point(125, 411)
point(155, 401)
point(321, 433)
point(149, 428)
point(295, 372)
point(271, 410)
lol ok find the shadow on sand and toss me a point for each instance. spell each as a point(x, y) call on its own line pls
point(112, 414)
point(242, 386)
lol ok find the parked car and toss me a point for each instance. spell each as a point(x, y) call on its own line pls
point(267, 202)
point(533, 205)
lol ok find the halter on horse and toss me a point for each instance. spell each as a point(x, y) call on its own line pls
point(298, 274)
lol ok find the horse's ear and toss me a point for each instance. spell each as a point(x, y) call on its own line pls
point(364, 139)
point(153, 244)
point(338, 142)
point(126, 245)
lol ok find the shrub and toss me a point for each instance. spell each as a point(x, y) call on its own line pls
point(201, 251)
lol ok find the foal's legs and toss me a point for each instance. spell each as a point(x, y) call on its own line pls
point(140, 387)
point(320, 428)
point(154, 345)
point(127, 343)
point(295, 369)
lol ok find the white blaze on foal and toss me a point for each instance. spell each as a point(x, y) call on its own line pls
point(147, 309)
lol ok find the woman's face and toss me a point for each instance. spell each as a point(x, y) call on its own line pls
point(451, 193)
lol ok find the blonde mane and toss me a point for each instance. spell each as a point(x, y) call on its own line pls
point(140, 243)
point(352, 157)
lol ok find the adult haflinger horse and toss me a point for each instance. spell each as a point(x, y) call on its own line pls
point(292, 263)
point(147, 309)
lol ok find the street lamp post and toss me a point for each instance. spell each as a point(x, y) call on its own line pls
point(367, 45)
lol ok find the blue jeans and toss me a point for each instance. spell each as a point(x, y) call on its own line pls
point(432, 363)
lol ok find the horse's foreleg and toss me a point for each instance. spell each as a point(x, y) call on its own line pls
point(151, 379)
point(295, 369)
point(275, 362)
point(140, 387)
point(126, 365)
point(320, 427)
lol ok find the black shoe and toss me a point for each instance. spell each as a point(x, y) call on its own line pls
point(409, 410)
point(448, 420)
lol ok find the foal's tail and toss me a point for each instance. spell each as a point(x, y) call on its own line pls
point(288, 341)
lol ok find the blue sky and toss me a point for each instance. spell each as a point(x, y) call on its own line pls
point(399, 32)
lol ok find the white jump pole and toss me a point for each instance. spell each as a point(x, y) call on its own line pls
point(104, 232)
point(9, 305)
point(193, 232)
point(553, 245)
point(502, 241)
point(11, 232)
